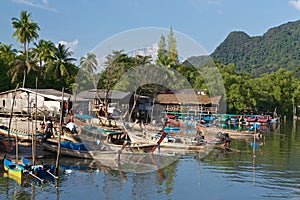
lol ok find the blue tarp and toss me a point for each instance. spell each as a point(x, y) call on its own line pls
point(73, 146)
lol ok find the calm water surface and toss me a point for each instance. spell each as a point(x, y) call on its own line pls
point(270, 171)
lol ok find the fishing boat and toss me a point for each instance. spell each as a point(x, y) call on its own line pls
point(178, 144)
point(19, 180)
point(236, 134)
point(264, 119)
point(251, 119)
point(13, 169)
point(68, 148)
point(97, 139)
point(41, 171)
point(21, 134)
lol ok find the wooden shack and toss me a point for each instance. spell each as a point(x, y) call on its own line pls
point(26, 100)
point(187, 102)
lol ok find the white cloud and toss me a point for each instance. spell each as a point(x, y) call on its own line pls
point(43, 4)
point(295, 3)
point(73, 44)
point(214, 2)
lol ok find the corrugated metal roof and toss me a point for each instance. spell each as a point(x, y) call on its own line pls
point(113, 94)
point(47, 93)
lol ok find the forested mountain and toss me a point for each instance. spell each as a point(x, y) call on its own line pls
point(278, 48)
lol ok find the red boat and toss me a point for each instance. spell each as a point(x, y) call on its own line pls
point(263, 119)
point(252, 119)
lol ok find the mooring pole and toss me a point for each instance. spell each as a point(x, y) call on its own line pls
point(59, 134)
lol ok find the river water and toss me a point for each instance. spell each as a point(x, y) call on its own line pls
point(268, 169)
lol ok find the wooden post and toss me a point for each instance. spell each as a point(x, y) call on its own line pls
point(35, 128)
point(9, 123)
point(59, 135)
point(254, 135)
point(34, 131)
point(159, 141)
point(32, 140)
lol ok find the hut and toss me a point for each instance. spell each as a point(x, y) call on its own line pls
point(26, 101)
point(190, 103)
point(93, 100)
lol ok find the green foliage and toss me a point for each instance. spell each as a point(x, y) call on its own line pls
point(25, 31)
point(88, 67)
point(162, 53)
point(167, 55)
point(278, 48)
point(61, 66)
point(172, 49)
point(44, 51)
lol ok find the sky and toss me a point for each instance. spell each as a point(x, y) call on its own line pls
point(84, 24)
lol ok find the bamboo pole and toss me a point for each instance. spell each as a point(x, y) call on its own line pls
point(34, 131)
point(59, 135)
point(9, 123)
point(32, 140)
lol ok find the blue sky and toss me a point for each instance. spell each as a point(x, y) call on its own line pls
point(83, 24)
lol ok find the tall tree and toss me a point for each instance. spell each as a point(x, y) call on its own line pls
point(7, 53)
point(61, 65)
point(172, 48)
point(24, 64)
point(44, 51)
point(89, 65)
point(25, 31)
point(116, 65)
point(7, 56)
point(162, 55)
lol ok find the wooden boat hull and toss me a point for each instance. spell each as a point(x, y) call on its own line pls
point(235, 134)
point(67, 152)
point(18, 179)
point(41, 171)
point(12, 168)
point(22, 135)
point(7, 144)
point(182, 147)
point(98, 140)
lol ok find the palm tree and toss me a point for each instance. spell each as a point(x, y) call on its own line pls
point(7, 53)
point(89, 65)
point(22, 64)
point(44, 51)
point(61, 65)
point(25, 31)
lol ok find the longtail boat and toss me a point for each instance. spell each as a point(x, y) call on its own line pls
point(113, 141)
point(78, 151)
point(21, 134)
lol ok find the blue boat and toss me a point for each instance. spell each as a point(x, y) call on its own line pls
point(13, 169)
point(40, 171)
